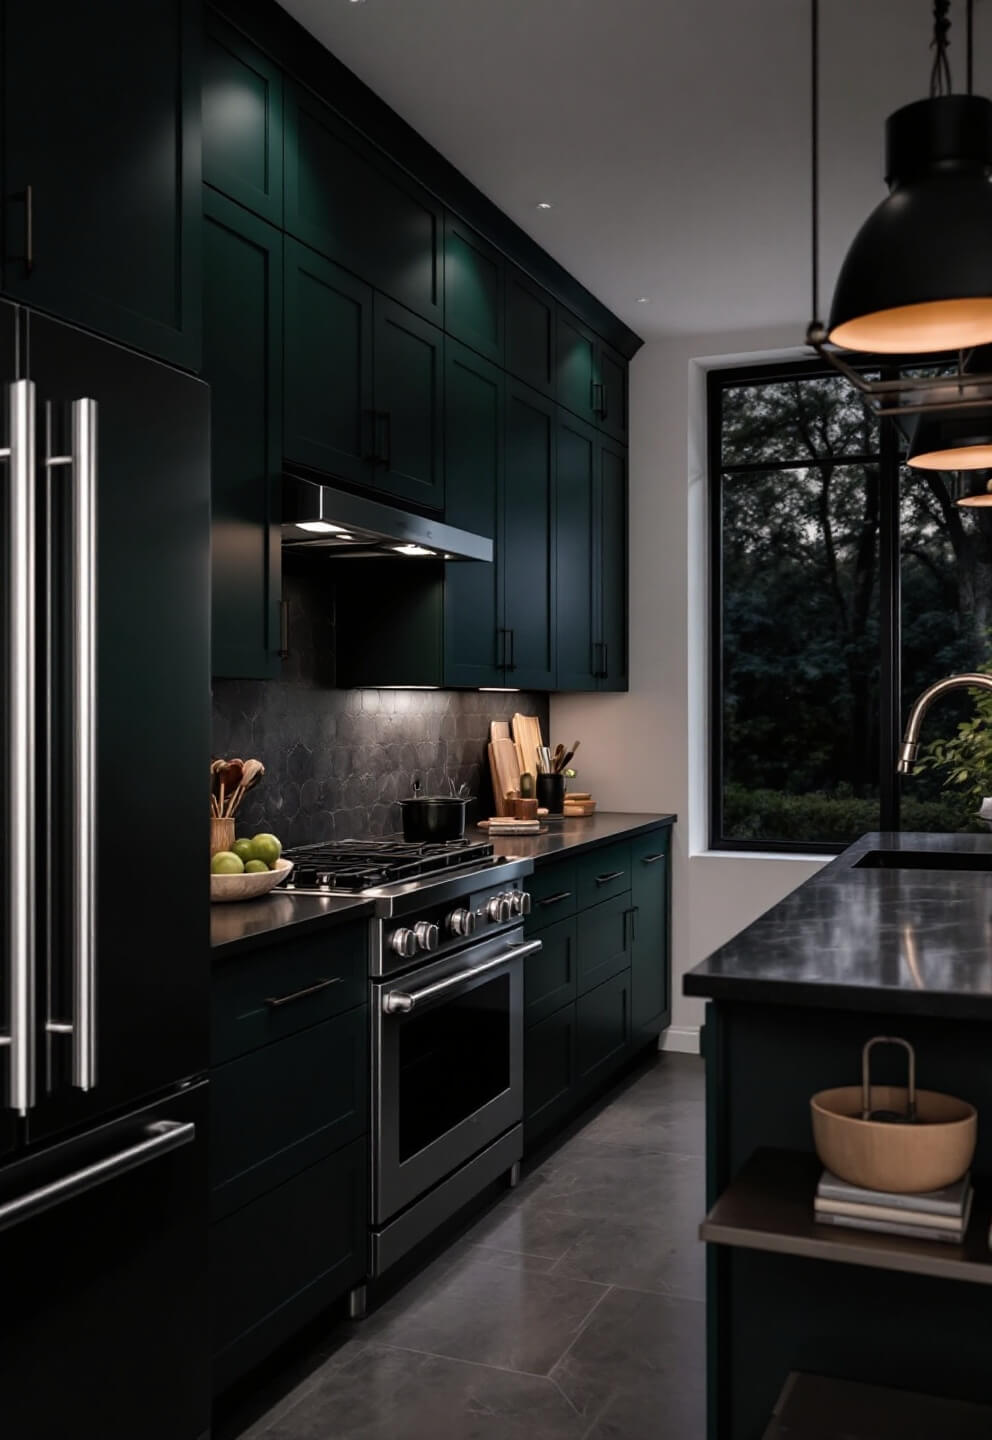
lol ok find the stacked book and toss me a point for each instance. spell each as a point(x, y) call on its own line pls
point(931, 1215)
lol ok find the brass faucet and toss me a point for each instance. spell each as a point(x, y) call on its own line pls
point(911, 739)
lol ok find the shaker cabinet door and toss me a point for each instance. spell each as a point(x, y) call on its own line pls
point(577, 554)
point(328, 359)
point(101, 167)
point(242, 121)
point(529, 540)
point(409, 405)
point(474, 275)
point(530, 333)
point(650, 1004)
point(473, 457)
point(612, 667)
point(242, 362)
point(577, 373)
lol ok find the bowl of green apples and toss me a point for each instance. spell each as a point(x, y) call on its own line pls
point(251, 868)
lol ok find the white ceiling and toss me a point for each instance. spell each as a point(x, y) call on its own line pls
point(672, 139)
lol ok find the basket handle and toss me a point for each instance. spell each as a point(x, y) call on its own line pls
point(866, 1072)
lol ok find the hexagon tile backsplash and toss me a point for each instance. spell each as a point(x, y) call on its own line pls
point(337, 761)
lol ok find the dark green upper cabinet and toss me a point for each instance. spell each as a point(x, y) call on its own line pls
point(409, 405)
point(612, 671)
point(351, 203)
point(578, 592)
point(328, 361)
point(242, 121)
point(242, 361)
point(612, 374)
point(578, 382)
point(474, 451)
point(474, 275)
point(530, 333)
point(528, 549)
point(101, 125)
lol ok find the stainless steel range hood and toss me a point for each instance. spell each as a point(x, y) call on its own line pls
point(318, 516)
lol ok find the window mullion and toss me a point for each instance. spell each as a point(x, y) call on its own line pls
point(890, 622)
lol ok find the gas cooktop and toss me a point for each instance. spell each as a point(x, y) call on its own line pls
point(352, 866)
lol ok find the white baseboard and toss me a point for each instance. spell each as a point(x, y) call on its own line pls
point(684, 1039)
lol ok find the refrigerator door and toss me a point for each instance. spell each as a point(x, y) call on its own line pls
point(124, 507)
point(12, 852)
point(103, 1259)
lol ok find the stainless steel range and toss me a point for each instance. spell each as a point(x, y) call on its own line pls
point(447, 983)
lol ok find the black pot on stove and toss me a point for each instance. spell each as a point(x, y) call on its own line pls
point(434, 818)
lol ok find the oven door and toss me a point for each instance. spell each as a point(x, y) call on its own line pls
point(448, 1066)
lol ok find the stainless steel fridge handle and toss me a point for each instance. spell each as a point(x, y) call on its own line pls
point(157, 1139)
point(21, 824)
point(398, 1002)
point(83, 509)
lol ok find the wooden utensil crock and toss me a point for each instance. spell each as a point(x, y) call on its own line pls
point(221, 834)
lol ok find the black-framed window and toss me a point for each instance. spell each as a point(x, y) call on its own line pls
point(842, 584)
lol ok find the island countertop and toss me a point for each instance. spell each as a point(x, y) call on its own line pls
point(908, 940)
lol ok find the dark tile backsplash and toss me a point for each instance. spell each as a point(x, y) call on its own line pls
point(336, 761)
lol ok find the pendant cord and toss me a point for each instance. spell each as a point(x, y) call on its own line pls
point(940, 73)
point(970, 46)
point(815, 158)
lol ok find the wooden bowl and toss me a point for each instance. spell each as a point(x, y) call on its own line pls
point(248, 887)
point(906, 1159)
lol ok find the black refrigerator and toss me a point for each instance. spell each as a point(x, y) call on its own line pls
point(104, 951)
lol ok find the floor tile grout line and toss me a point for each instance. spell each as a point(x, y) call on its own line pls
point(581, 1331)
point(461, 1360)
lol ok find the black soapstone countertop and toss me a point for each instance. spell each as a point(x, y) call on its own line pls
point(907, 941)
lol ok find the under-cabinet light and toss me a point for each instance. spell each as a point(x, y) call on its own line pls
point(319, 527)
point(499, 689)
point(413, 550)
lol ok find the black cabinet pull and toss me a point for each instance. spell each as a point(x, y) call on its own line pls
point(605, 879)
point(606, 662)
point(371, 422)
point(554, 899)
point(274, 1001)
point(652, 859)
point(387, 421)
point(635, 911)
point(512, 663)
point(599, 660)
point(599, 398)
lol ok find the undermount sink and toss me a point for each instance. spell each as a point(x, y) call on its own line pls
point(924, 860)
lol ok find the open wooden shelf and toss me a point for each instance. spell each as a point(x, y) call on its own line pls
point(769, 1206)
point(814, 1407)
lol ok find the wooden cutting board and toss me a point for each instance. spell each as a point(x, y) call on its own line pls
point(505, 770)
point(527, 734)
point(499, 730)
point(579, 808)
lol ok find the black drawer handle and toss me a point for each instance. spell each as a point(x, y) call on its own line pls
point(554, 899)
point(274, 1001)
point(605, 879)
point(652, 859)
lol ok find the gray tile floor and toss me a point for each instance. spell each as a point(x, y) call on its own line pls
point(572, 1310)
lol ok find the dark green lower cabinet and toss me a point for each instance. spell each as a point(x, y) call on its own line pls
point(280, 1261)
point(598, 993)
point(603, 1028)
point(549, 1071)
point(242, 361)
point(650, 975)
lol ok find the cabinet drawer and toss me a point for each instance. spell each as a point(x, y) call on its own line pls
point(549, 1068)
point(553, 894)
point(602, 1029)
point(277, 1263)
point(549, 977)
point(268, 994)
point(603, 942)
point(281, 1108)
point(603, 873)
point(648, 854)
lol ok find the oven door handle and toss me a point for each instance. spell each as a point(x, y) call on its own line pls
point(398, 1002)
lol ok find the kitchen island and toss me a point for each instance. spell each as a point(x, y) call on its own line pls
point(894, 937)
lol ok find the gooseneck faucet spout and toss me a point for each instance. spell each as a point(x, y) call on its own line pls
point(911, 739)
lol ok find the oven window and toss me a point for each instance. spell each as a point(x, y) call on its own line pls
point(453, 1058)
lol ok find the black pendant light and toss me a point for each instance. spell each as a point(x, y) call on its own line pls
point(956, 438)
point(918, 275)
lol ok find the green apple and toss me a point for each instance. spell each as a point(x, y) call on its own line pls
point(256, 867)
point(243, 848)
point(267, 848)
point(225, 862)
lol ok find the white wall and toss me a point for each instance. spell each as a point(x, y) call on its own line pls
point(646, 750)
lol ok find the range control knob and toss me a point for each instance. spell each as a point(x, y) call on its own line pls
point(494, 909)
point(520, 902)
point(505, 907)
point(404, 942)
point(461, 922)
point(428, 935)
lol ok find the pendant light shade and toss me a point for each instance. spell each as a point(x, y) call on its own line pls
point(918, 275)
point(959, 440)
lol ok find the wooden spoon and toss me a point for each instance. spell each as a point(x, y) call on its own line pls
point(229, 778)
point(252, 771)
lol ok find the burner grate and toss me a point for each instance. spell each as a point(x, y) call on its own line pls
point(355, 865)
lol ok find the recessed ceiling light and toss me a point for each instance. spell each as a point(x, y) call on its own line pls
point(644, 299)
point(544, 205)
